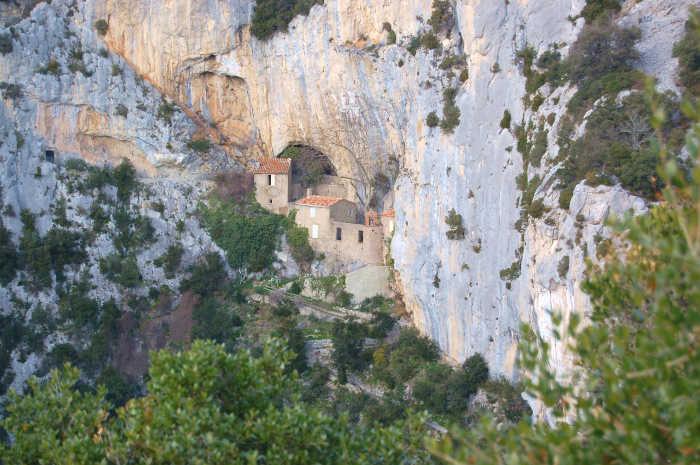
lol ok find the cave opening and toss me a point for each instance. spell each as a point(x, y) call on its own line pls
point(312, 172)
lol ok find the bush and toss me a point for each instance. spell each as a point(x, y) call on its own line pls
point(121, 270)
point(687, 50)
point(124, 177)
point(616, 147)
point(5, 43)
point(207, 276)
point(170, 260)
point(602, 48)
point(215, 321)
point(199, 145)
point(563, 267)
point(9, 258)
point(442, 16)
point(271, 16)
point(298, 240)
point(101, 26)
point(121, 110)
point(454, 221)
point(11, 91)
point(432, 120)
point(391, 37)
point(35, 255)
point(52, 67)
point(348, 343)
point(599, 8)
point(450, 111)
point(248, 238)
point(505, 121)
point(166, 110)
point(429, 41)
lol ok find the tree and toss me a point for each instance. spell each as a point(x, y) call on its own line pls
point(204, 406)
point(633, 396)
point(9, 258)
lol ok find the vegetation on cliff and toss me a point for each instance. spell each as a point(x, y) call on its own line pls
point(637, 366)
point(271, 16)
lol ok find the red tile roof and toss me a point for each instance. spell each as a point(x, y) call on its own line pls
point(389, 213)
point(318, 201)
point(267, 165)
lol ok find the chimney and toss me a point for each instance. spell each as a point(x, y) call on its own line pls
point(308, 192)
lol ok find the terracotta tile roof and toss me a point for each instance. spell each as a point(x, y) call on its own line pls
point(318, 201)
point(267, 165)
point(389, 213)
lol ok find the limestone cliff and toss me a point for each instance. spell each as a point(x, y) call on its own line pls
point(336, 83)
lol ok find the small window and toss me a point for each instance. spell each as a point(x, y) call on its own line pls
point(314, 231)
point(360, 236)
point(312, 212)
point(270, 180)
point(270, 200)
point(338, 234)
point(49, 156)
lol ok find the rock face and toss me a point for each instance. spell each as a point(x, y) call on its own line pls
point(335, 83)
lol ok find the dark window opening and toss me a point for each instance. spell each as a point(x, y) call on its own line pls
point(49, 156)
point(360, 236)
point(270, 200)
point(338, 234)
point(269, 179)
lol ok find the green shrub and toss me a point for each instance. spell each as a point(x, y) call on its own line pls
point(432, 120)
point(413, 45)
point(348, 343)
point(121, 110)
point(539, 148)
point(450, 111)
point(602, 48)
point(9, 258)
point(121, 270)
point(124, 178)
point(166, 110)
point(599, 8)
point(391, 37)
point(101, 26)
point(207, 276)
point(537, 102)
point(199, 145)
point(170, 260)
point(76, 164)
point(35, 254)
point(454, 221)
point(77, 306)
point(565, 198)
point(5, 43)
point(249, 238)
point(442, 16)
point(52, 67)
point(271, 16)
point(687, 50)
point(563, 267)
point(11, 91)
point(505, 121)
point(429, 41)
point(464, 75)
point(215, 321)
point(298, 240)
point(609, 151)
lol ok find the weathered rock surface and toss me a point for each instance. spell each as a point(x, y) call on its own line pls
point(333, 82)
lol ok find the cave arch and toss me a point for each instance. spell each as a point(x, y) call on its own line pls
point(313, 172)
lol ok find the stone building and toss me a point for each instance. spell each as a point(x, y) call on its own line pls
point(334, 231)
point(273, 184)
